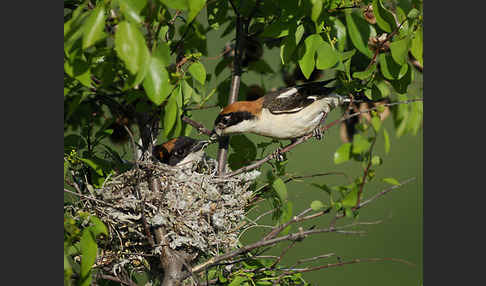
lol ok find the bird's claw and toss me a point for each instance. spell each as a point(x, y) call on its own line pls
point(278, 155)
point(318, 133)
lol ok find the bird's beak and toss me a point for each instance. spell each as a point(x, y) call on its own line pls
point(215, 134)
point(200, 145)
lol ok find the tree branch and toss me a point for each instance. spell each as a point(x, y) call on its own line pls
point(292, 237)
point(234, 90)
point(88, 198)
point(197, 125)
point(365, 175)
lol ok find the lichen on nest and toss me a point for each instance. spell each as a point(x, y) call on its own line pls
point(200, 212)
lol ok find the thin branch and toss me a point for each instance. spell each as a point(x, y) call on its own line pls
point(89, 198)
point(356, 260)
point(282, 254)
point(300, 261)
point(310, 135)
point(292, 237)
point(386, 191)
point(134, 146)
point(264, 214)
point(281, 227)
point(415, 63)
point(197, 125)
point(73, 183)
point(198, 107)
point(366, 171)
point(266, 187)
point(381, 44)
point(297, 236)
point(118, 280)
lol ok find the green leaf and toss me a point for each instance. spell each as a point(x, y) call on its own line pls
point(130, 10)
point(68, 270)
point(289, 44)
point(188, 93)
point(390, 69)
point(195, 7)
point(401, 85)
point(307, 60)
point(285, 216)
point(391, 181)
point(162, 52)
point(88, 256)
point(73, 28)
point(351, 198)
point(98, 227)
point(94, 165)
point(342, 154)
point(222, 65)
point(66, 168)
point(279, 186)
point(78, 67)
point(417, 46)
point(177, 130)
point(399, 50)
point(376, 123)
point(260, 67)
point(415, 117)
point(413, 14)
point(384, 18)
point(316, 205)
point(327, 57)
point(362, 75)
point(376, 160)
point(360, 31)
point(316, 10)
point(360, 144)
point(341, 34)
point(238, 280)
point(244, 151)
point(176, 4)
point(387, 141)
point(93, 27)
point(383, 88)
point(347, 69)
point(170, 114)
point(277, 29)
point(130, 46)
point(198, 72)
point(157, 82)
point(217, 11)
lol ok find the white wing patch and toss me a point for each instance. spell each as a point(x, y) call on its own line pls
point(288, 110)
point(288, 93)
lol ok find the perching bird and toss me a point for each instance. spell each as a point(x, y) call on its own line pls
point(180, 151)
point(288, 113)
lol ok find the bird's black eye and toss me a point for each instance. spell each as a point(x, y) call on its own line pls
point(225, 120)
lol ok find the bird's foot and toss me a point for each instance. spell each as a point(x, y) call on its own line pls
point(278, 155)
point(318, 133)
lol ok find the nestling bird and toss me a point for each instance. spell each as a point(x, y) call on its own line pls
point(288, 113)
point(180, 151)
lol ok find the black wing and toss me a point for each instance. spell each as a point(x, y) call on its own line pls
point(294, 99)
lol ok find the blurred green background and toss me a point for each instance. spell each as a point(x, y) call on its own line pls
point(399, 235)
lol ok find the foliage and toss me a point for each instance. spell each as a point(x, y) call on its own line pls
point(135, 62)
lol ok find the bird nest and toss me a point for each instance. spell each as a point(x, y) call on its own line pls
point(200, 212)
